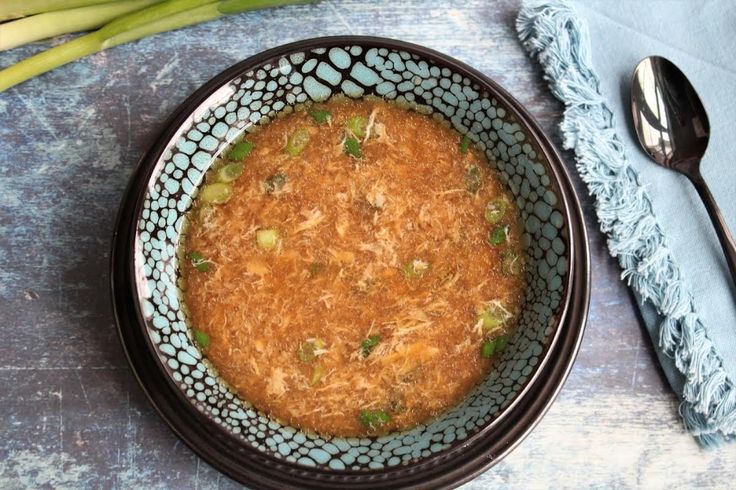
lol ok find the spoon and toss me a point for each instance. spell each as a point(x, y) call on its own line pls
point(673, 129)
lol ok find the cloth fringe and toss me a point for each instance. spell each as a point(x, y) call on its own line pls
point(552, 32)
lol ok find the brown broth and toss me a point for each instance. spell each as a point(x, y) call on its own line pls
point(338, 273)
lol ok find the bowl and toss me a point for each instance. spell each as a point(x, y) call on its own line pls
point(234, 436)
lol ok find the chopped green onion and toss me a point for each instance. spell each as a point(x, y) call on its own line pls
point(501, 342)
point(487, 349)
point(320, 116)
point(352, 148)
point(267, 239)
point(373, 419)
point(499, 235)
point(297, 142)
point(416, 268)
point(230, 172)
point(490, 321)
point(465, 144)
point(357, 126)
point(217, 193)
point(472, 179)
point(199, 262)
point(276, 182)
point(511, 264)
point(494, 316)
point(318, 373)
point(496, 209)
point(240, 150)
point(307, 350)
point(316, 268)
point(202, 339)
point(369, 344)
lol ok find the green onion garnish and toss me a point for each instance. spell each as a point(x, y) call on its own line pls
point(267, 239)
point(499, 235)
point(491, 321)
point(511, 264)
point(416, 268)
point(297, 142)
point(240, 150)
point(230, 172)
point(199, 262)
point(373, 419)
point(276, 182)
point(496, 209)
point(369, 344)
point(472, 179)
point(494, 316)
point(352, 148)
point(202, 339)
point(316, 268)
point(318, 373)
point(307, 349)
point(487, 349)
point(217, 193)
point(465, 144)
point(320, 116)
point(357, 126)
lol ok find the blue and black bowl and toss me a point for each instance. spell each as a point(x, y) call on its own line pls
point(234, 436)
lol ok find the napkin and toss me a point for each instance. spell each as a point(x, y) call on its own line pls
point(656, 225)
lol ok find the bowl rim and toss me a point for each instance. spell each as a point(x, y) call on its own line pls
point(129, 319)
point(194, 104)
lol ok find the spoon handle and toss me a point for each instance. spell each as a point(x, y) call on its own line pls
point(724, 235)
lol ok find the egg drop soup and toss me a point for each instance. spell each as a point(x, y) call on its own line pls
point(352, 268)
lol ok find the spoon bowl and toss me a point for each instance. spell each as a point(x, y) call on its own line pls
point(673, 129)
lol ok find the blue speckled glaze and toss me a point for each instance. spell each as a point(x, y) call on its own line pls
point(256, 97)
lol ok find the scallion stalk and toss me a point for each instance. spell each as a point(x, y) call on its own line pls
point(161, 17)
point(13, 9)
point(50, 24)
point(176, 20)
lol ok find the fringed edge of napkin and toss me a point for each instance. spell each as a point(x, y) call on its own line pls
point(552, 31)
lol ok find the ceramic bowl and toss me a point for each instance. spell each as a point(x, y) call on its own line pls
point(234, 436)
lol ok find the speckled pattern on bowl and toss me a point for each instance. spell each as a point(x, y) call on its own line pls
point(252, 92)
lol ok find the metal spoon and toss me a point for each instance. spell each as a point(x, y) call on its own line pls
point(673, 129)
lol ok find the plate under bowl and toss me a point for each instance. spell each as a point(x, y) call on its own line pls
point(186, 389)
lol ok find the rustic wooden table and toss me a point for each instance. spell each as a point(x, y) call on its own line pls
point(72, 415)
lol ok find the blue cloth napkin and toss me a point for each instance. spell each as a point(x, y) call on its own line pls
point(656, 225)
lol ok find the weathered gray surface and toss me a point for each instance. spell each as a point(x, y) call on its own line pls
point(71, 413)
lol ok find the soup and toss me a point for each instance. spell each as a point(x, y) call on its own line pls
point(352, 268)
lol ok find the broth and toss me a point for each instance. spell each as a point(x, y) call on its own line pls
point(352, 268)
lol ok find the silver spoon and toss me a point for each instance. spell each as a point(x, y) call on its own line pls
point(673, 129)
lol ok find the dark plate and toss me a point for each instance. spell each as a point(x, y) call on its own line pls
point(500, 413)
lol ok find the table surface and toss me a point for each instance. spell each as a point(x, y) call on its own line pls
point(72, 413)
